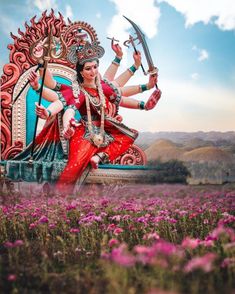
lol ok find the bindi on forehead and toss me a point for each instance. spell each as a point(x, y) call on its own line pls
point(91, 64)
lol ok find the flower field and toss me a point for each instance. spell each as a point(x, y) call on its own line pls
point(120, 239)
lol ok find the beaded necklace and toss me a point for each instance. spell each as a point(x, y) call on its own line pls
point(97, 139)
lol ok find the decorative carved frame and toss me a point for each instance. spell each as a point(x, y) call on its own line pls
point(15, 73)
point(19, 109)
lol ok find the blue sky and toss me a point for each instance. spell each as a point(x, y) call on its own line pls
point(192, 43)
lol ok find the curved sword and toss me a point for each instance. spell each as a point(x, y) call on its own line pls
point(152, 69)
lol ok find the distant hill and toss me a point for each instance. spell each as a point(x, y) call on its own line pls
point(189, 140)
point(208, 157)
point(196, 143)
point(164, 150)
point(207, 154)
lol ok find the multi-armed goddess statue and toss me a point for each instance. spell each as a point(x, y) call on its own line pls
point(98, 135)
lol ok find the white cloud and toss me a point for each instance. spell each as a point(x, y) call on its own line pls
point(143, 13)
point(221, 13)
point(195, 76)
point(203, 54)
point(45, 4)
point(68, 12)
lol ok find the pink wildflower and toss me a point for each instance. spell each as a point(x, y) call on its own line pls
point(74, 230)
point(52, 226)
point(8, 244)
point(116, 218)
point(151, 236)
point(201, 262)
point(190, 243)
point(111, 227)
point(165, 248)
point(118, 231)
point(104, 255)
point(140, 249)
point(32, 226)
point(222, 230)
point(121, 257)
point(227, 262)
point(11, 277)
point(113, 242)
point(207, 243)
point(70, 207)
point(18, 243)
point(193, 215)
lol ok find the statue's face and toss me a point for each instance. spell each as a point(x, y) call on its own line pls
point(90, 71)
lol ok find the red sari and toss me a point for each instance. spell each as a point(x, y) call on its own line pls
point(81, 149)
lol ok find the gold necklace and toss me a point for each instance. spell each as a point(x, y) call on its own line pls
point(94, 101)
point(89, 86)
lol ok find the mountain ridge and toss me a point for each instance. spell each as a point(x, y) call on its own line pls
point(213, 138)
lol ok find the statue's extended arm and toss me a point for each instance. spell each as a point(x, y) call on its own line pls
point(132, 103)
point(133, 90)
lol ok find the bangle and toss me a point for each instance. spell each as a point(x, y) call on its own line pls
point(141, 105)
point(143, 88)
point(132, 69)
point(49, 112)
point(116, 60)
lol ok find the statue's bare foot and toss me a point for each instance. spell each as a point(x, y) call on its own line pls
point(95, 161)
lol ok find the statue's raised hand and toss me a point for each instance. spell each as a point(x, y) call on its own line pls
point(152, 81)
point(41, 111)
point(68, 132)
point(117, 49)
point(137, 59)
point(34, 80)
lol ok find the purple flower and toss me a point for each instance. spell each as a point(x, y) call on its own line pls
point(52, 226)
point(70, 207)
point(43, 219)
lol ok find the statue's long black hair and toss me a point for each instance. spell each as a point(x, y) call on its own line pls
point(79, 68)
